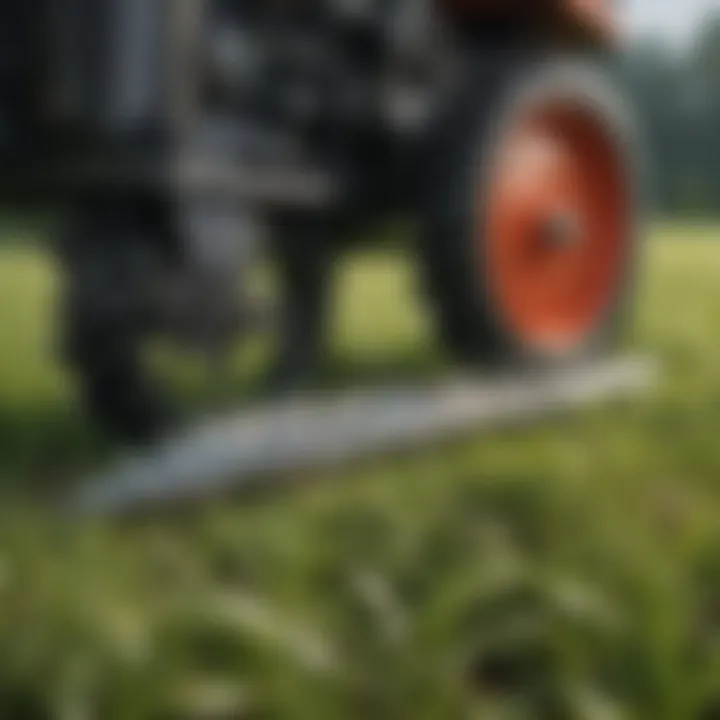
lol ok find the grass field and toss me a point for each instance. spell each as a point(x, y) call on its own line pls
point(566, 571)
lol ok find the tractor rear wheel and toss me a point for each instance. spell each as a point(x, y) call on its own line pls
point(531, 231)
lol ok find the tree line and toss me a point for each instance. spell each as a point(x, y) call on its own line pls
point(676, 92)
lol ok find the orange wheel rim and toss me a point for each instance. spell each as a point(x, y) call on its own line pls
point(556, 230)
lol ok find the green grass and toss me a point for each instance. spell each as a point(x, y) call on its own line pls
point(571, 570)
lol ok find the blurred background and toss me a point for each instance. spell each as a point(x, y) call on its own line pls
point(672, 67)
point(567, 570)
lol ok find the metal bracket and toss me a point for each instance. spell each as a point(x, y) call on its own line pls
point(255, 448)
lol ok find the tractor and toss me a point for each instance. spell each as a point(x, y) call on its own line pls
point(181, 143)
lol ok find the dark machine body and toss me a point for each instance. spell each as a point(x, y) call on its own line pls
point(179, 137)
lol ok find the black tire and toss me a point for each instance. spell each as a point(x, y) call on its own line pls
point(470, 324)
point(122, 270)
point(106, 319)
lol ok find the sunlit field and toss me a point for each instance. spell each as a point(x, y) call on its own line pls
point(569, 570)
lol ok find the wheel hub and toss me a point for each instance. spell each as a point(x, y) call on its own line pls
point(556, 226)
point(563, 229)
